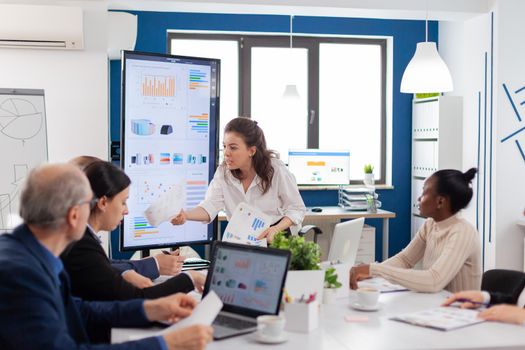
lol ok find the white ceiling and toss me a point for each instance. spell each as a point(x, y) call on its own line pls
point(399, 9)
point(402, 9)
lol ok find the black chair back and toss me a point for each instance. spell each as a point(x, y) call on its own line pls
point(508, 283)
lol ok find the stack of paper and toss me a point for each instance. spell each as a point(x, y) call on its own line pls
point(195, 264)
point(358, 198)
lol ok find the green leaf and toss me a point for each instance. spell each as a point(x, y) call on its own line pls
point(330, 278)
point(305, 255)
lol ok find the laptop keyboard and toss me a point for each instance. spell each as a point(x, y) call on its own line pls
point(233, 323)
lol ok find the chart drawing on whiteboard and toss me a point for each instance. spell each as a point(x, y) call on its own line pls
point(23, 134)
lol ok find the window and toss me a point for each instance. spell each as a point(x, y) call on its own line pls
point(272, 70)
point(341, 84)
point(227, 51)
point(350, 102)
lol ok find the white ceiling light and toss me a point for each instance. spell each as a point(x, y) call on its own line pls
point(426, 72)
point(290, 90)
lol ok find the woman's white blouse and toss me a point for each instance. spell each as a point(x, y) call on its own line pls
point(282, 199)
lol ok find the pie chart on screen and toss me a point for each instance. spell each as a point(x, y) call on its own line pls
point(19, 119)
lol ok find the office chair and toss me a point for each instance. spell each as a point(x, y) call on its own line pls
point(507, 283)
point(305, 229)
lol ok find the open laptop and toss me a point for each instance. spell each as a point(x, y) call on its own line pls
point(249, 280)
point(345, 241)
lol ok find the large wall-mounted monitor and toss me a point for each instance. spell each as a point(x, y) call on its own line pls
point(320, 167)
point(170, 118)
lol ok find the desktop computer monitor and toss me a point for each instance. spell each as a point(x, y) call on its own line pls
point(169, 137)
point(320, 167)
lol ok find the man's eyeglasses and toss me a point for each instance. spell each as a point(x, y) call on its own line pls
point(92, 203)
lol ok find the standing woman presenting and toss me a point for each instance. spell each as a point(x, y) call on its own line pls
point(250, 173)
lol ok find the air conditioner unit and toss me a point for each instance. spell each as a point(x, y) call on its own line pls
point(41, 27)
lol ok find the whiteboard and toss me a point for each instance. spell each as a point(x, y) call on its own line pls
point(23, 145)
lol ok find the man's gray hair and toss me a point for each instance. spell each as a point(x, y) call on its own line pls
point(49, 192)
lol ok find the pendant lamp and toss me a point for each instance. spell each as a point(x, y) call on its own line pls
point(290, 90)
point(426, 72)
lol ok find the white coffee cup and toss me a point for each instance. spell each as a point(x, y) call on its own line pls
point(270, 326)
point(368, 297)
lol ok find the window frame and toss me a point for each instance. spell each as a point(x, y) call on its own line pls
point(312, 43)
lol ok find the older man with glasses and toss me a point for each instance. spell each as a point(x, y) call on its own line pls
point(37, 310)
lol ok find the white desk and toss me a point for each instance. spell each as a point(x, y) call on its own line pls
point(380, 333)
point(336, 213)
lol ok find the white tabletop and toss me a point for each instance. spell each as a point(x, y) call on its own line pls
point(378, 332)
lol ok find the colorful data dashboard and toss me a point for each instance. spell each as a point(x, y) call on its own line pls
point(170, 111)
point(320, 167)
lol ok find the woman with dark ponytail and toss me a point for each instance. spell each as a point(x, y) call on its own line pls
point(250, 173)
point(447, 246)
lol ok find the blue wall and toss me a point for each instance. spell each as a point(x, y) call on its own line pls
point(152, 27)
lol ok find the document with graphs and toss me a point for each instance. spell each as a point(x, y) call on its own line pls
point(245, 225)
point(441, 318)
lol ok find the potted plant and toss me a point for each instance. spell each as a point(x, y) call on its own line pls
point(330, 285)
point(305, 276)
point(369, 175)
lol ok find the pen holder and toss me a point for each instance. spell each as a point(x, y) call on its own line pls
point(302, 317)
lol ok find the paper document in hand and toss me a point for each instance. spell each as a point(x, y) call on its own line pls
point(167, 206)
point(245, 225)
point(441, 318)
point(381, 284)
point(204, 313)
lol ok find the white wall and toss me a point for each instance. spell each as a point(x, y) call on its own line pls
point(463, 45)
point(75, 84)
point(510, 166)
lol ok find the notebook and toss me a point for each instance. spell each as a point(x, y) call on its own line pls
point(441, 318)
point(249, 281)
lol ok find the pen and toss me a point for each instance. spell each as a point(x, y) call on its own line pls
point(465, 300)
point(166, 252)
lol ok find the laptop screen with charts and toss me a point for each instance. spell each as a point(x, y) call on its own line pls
point(249, 280)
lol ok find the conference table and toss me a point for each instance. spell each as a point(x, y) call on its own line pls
point(375, 330)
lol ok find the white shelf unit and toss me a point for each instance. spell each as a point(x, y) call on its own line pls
point(437, 143)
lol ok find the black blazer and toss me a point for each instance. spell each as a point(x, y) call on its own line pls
point(93, 278)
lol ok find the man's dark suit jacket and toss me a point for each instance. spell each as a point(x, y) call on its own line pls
point(37, 310)
point(145, 267)
point(93, 278)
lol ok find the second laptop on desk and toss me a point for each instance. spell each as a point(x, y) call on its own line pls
point(249, 280)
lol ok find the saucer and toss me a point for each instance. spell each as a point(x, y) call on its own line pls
point(357, 306)
point(270, 340)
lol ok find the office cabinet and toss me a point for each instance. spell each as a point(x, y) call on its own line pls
point(437, 142)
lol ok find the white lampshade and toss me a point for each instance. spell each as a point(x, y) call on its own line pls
point(122, 33)
point(426, 72)
point(290, 92)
